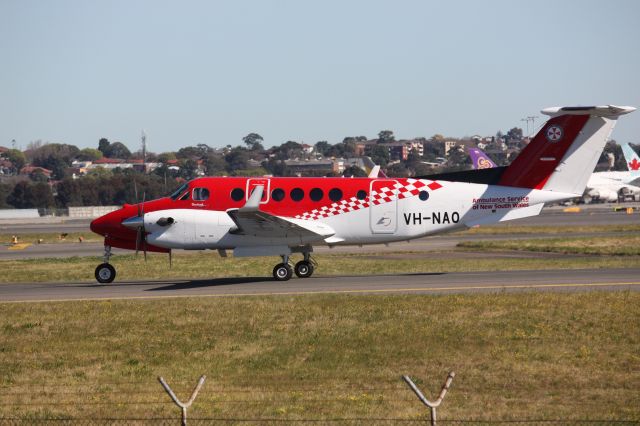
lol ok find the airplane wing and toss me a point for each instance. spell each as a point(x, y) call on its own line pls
point(251, 221)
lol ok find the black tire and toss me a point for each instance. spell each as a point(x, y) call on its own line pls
point(304, 269)
point(282, 272)
point(105, 273)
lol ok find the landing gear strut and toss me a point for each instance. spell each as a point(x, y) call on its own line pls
point(105, 272)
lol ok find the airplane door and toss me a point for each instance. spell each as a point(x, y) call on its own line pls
point(253, 182)
point(383, 210)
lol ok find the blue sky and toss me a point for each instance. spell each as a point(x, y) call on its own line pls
point(210, 72)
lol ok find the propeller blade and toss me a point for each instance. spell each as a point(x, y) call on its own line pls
point(144, 243)
point(170, 261)
point(138, 241)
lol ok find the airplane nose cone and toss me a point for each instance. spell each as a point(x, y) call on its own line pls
point(134, 222)
point(100, 225)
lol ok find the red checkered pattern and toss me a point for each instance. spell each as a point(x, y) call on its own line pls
point(410, 188)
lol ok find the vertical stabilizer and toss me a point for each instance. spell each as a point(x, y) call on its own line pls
point(564, 153)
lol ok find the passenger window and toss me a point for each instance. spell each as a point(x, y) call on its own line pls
point(361, 195)
point(237, 194)
point(316, 194)
point(200, 194)
point(335, 194)
point(277, 194)
point(297, 194)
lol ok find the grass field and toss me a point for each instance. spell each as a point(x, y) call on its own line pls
point(622, 245)
point(516, 356)
point(210, 265)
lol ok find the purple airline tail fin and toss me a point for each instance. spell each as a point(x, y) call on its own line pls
point(480, 159)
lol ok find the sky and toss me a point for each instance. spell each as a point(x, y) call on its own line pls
point(189, 72)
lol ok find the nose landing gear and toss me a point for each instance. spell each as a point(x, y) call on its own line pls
point(105, 273)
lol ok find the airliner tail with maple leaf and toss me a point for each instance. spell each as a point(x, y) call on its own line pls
point(285, 216)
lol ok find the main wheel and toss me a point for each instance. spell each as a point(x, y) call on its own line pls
point(282, 272)
point(105, 273)
point(304, 269)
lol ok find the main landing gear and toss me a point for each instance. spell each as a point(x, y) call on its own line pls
point(105, 272)
point(303, 269)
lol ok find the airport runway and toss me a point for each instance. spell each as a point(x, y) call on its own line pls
point(436, 283)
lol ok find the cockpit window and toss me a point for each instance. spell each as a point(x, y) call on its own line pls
point(185, 196)
point(200, 194)
point(174, 196)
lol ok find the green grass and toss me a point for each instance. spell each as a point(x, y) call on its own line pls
point(528, 355)
point(622, 245)
point(210, 265)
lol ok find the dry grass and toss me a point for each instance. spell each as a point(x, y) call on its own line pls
point(50, 237)
point(623, 245)
point(511, 228)
point(210, 265)
point(558, 356)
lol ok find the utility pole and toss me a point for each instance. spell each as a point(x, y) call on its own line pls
point(144, 151)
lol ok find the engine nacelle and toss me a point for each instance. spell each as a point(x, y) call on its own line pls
point(186, 228)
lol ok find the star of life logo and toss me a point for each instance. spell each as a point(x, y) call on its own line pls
point(554, 133)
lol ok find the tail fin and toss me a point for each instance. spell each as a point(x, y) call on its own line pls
point(563, 154)
point(633, 162)
point(480, 159)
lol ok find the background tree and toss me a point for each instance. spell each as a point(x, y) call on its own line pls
point(237, 159)
point(215, 165)
point(27, 195)
point(118, 150)
point(515, 134)
point(5, 190)
point(386, 136)
point(321, 147)
point(192, 152)
point(354, 171)
point(17, 158)
point(89, 154)
point(253, 142)
point(380, 155)
point(166, 156)
point(103, 146)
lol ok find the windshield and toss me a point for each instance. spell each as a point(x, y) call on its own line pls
point(179, 191)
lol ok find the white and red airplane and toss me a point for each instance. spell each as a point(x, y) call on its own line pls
point(279, 216)
point(610, 185)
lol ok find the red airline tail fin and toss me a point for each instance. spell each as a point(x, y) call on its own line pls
point(563, 154)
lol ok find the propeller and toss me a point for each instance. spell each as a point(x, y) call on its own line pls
point(141, 236)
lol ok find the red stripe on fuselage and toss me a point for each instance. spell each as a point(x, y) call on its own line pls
point(535, 164)
point(220, 193)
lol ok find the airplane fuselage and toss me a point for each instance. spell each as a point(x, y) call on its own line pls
point(342, 210)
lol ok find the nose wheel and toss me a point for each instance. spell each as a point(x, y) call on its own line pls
point(105, 273)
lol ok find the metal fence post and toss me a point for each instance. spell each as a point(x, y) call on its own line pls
point(432, 405)
point(183, 405)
